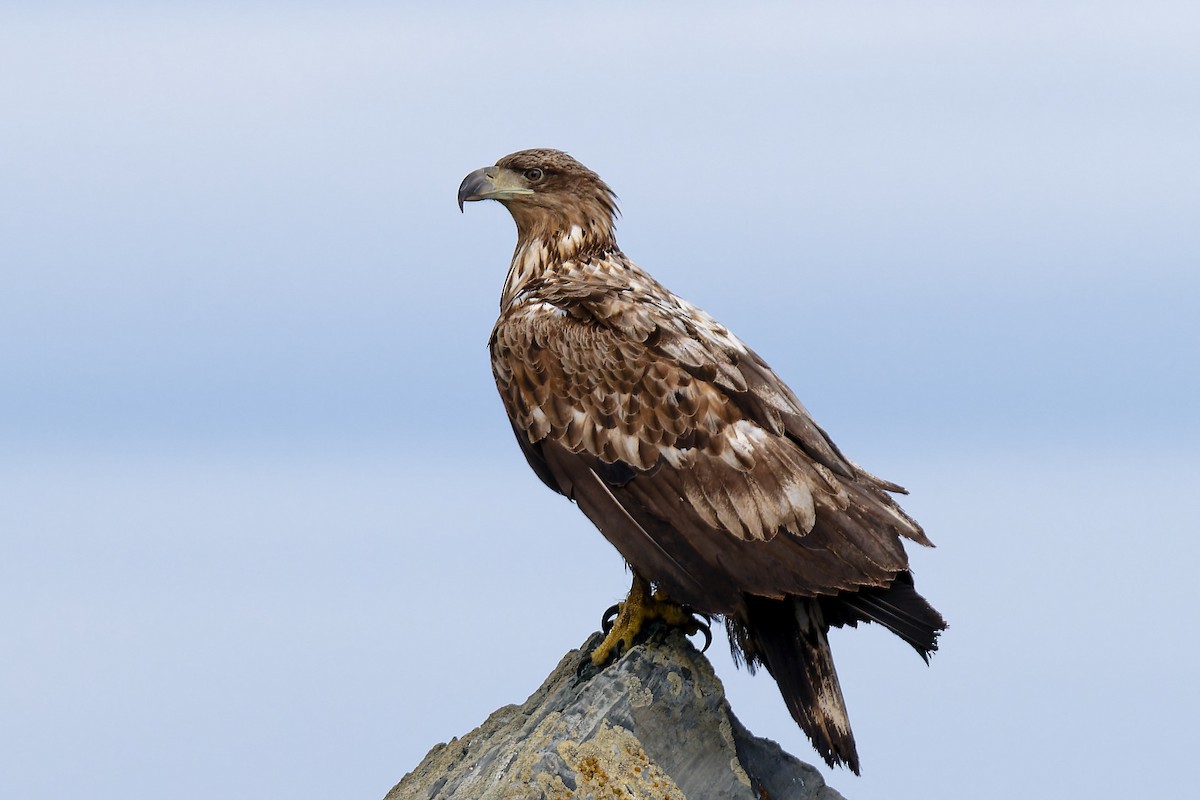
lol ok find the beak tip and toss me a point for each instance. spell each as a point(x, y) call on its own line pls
point(475, 186)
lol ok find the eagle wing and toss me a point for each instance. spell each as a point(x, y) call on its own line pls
point(687, 451)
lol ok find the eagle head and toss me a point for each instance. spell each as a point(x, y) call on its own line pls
point(546, 191)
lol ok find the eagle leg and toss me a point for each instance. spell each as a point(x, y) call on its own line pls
point(701, 622)
point(623, 623)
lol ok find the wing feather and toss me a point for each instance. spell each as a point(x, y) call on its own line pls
point(691, 456)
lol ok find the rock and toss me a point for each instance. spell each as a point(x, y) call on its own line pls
point(653, 725)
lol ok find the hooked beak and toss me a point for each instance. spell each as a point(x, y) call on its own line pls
point(491, 183)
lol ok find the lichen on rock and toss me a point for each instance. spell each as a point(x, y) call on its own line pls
point(651, 726)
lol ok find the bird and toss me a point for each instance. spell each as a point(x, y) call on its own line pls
point(689, 454)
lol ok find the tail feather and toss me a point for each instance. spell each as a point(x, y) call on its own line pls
point(897, 607)
point(789, 637)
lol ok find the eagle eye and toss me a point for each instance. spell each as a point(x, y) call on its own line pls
point(534, 175)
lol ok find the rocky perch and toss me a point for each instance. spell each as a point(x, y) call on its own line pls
point(654, 725)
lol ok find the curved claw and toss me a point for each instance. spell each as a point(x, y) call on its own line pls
point(704, 627)
point(609, 616)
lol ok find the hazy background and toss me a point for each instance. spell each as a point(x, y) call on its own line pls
point(263, 530)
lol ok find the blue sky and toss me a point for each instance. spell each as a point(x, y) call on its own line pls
point(263, 521)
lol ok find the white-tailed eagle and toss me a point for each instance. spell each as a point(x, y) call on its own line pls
point(688, 453)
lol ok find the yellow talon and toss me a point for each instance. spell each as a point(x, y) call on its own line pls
point(639, 608)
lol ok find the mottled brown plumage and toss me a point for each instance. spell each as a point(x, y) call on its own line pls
point(683, 447)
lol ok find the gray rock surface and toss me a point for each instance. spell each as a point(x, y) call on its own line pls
point(655, 726)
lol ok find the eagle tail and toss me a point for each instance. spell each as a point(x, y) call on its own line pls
point(897, 607)
point(789, 637)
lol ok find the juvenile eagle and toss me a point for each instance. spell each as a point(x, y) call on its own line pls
point(688, 453)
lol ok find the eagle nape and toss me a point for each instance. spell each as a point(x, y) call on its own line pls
point(624, 623)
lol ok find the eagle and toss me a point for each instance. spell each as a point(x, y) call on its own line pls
point(689, 453)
